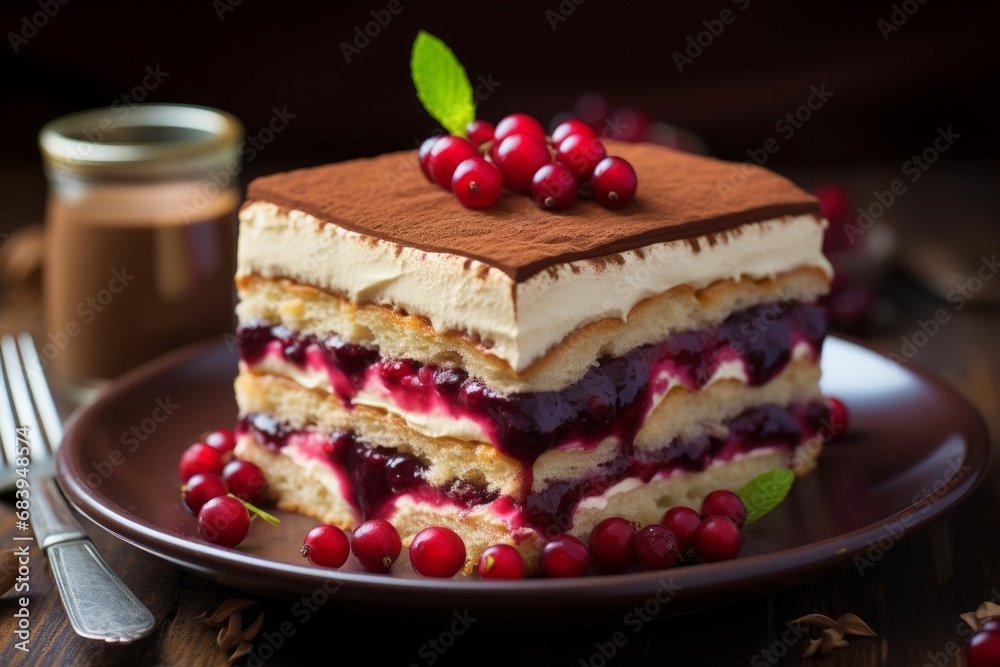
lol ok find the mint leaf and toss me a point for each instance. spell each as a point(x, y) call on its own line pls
point(442, 85)
point(273, 520)
point(763, 493)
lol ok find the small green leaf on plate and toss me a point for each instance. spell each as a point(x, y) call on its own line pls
point(763, 493)
point(271, 519)
point(442, 85)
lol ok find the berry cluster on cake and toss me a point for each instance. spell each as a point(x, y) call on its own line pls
point(513, 373)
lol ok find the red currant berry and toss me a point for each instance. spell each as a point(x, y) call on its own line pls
point(612, 544)
point(245, 480)
point(834, 203)
point(437, 552)
point(326, 546)
point(553, 187)
point(518, 123)
point(683, 522)
point(519, 157)
point(200, 457)
point(479, 131)
point(222, 439)
point(501, 561)
point(564, 556)
point(838, 417)
point(991, 624)
point(224, 521)
point(614, 183)
point(569, 128)
point(201, 488)
point(656, 547)
point(424, 156)
point(446, 154)
point(477, 183)
point(377, 545)
point(717, 538)
point(983, 649)
point(724, 503)
point(581, 153)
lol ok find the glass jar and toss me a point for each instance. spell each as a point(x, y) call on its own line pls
point(141, 234)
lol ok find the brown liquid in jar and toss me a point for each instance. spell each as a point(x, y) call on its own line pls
point(128, 278)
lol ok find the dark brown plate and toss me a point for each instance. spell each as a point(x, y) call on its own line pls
point(915, 450)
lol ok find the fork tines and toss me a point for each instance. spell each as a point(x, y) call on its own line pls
point(25, 402)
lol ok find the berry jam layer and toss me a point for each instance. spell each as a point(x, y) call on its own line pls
point(374, 479)
point(613, 399)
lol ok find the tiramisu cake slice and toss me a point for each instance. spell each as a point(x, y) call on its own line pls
point(513, 373)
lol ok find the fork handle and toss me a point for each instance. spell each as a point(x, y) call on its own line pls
point(98, 604)
point(51, 519)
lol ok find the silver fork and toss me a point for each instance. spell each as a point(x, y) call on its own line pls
point(98, 604)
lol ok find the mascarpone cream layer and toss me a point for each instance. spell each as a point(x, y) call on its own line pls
point(515, 321)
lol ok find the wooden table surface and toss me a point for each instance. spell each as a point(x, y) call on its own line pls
point(911, 597)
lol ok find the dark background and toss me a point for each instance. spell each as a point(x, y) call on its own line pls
point(889, 96)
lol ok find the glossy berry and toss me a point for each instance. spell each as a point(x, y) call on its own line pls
point(724, 503)
point(437, 552)
point(377, 545)
point(983, 649)
point(568, 128)
point(480, 131)
point(477, 183)
point(838, 417)
point(200, 457)
point(612, 544)
point(717, 538)
point(501, 561)
point(519, 157)
point(991, 624)
point(224, 521)
point(683, 522)
point(222, 439)
point(553, 187)
point(447, 153)
point(581, 153)
point(656, 547)
point(564, 556)
point(424, 157)
point(201, 488)
point(245, 480)
point(518, 123)
point(614, 182)
point(326, 546)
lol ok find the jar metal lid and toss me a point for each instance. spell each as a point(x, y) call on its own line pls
point(141, 141)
